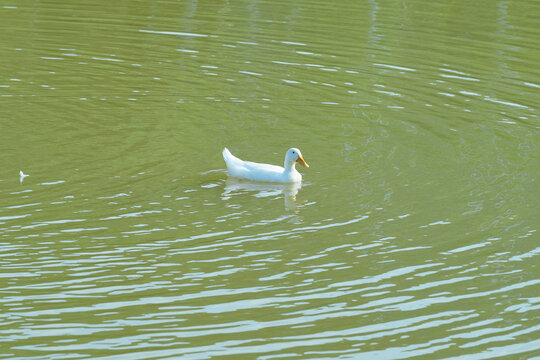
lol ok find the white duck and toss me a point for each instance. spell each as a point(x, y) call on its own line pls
point(265, 172)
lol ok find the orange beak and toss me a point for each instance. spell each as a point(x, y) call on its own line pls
point(302, 161)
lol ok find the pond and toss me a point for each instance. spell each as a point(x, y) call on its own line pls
point(413, 235)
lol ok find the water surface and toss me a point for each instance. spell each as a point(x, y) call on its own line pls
point(414, 234)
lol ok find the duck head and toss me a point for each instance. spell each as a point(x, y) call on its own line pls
point(294, 156)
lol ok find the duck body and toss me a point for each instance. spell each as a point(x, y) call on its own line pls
point(265, 172)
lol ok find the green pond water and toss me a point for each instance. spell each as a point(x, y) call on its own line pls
point(414, 235)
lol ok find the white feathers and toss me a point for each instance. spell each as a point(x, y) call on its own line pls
point(22, 176)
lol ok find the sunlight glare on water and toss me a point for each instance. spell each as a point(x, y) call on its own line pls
point(413, 235)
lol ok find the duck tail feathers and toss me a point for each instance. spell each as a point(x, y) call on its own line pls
point(226, 154)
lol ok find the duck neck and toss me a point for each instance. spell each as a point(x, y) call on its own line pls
point(289, 166)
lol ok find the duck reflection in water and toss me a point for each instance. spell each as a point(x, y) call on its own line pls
point(289, 190)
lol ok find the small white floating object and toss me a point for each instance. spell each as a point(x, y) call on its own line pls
point(22, 176)
point(264, 172)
